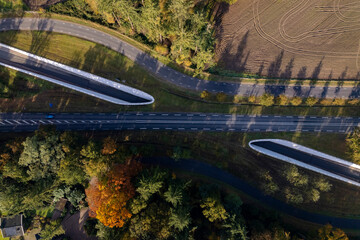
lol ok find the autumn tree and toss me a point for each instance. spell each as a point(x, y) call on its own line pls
point(108, 198)
point(328, 232)
point(109, 146)
point(267, 100)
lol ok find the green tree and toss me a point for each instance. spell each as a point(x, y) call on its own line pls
point(41, 157)
point(234, 229)
point(51, 230)
point(151, 181)
point(180, 218)
point(353, 144)
point(267, 100)
point(282, 100)
point(296, 178)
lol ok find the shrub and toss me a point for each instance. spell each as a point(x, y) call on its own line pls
point(267, 100)
point(282, 100)
point(338, 102)
point(296, 101)
point(221, 97)
point(187, 63)
point(354, 101)
point(205, 94)
point(326, 102)
point(251, 99)
point(163, 50)
point(311, 101)
point(237, 98)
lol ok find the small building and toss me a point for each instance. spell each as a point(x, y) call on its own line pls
point(12, 226)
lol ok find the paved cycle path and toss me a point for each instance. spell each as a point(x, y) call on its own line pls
point(166, 73)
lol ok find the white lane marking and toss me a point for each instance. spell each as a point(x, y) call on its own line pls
point(206, 129)
point(156, 128)
point(164, 114)
point(168, 128)
point(177, 115)
point(43, 121)
point(231, 129)
point(244, 129)
point(152, 114)
point(194, 128)
point(181, 128)
point(143, 128)
point(2, 123)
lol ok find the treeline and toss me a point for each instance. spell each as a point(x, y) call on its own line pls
point(179, 29)
point(128, 200)
point(268, 100)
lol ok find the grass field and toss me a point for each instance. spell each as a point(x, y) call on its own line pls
point(291, 39)
point(107, 63)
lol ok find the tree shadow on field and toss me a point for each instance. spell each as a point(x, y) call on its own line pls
point(236, 61)
point(41, 38)
point(13, 25)
point(275, 66)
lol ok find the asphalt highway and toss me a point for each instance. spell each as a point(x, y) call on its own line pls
point(48, 70)
point(169, 74)
point(316, 161)
point(177, 122)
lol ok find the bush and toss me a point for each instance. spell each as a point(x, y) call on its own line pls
point(311, 101)
point(296, 101)
point(163, 50)
point(267, 100)
point(354, 101)
point(205, 95)
point(237, 99)
point(251, 99)
point(282, 100)
point(326, 102)
point(221, 97)
point(338, 102)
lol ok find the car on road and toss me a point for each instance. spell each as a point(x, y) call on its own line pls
point(49, 116)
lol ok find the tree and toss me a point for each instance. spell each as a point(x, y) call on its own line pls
point(234, 229)
point(151, 181)
point(203, 60)
point(180, 218)
point(322, 184)
point(205, 95)
point(353, 144)
point(267, 100)
point(311, 101)
point(251, 99)
point(175, 193)
point(338, 102)
point(109, 146)
point(108, 199)
point(282, 100)
point(71, 170)
point(328, 232)
point(293, 175)
point(296, 101)
point(52, 230)
point(221, 97)
point(41, 157)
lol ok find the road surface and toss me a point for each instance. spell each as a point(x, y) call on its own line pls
point(177, 121)
point(169, 74)
point(80, 80)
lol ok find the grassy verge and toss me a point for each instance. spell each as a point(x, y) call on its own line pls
point(102, 61)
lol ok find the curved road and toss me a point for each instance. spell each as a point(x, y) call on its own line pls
point(166, 73)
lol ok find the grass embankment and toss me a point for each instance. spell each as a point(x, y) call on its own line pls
point(102, 61)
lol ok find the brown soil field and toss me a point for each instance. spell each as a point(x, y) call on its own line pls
point(316, 39)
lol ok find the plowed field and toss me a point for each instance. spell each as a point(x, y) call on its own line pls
point(317, 39)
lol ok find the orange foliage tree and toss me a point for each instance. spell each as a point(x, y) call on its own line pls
point(107, 199)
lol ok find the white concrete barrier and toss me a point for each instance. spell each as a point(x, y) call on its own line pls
point(84, 74)
point(305, 165)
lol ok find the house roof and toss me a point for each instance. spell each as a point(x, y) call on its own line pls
point(12, 226)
